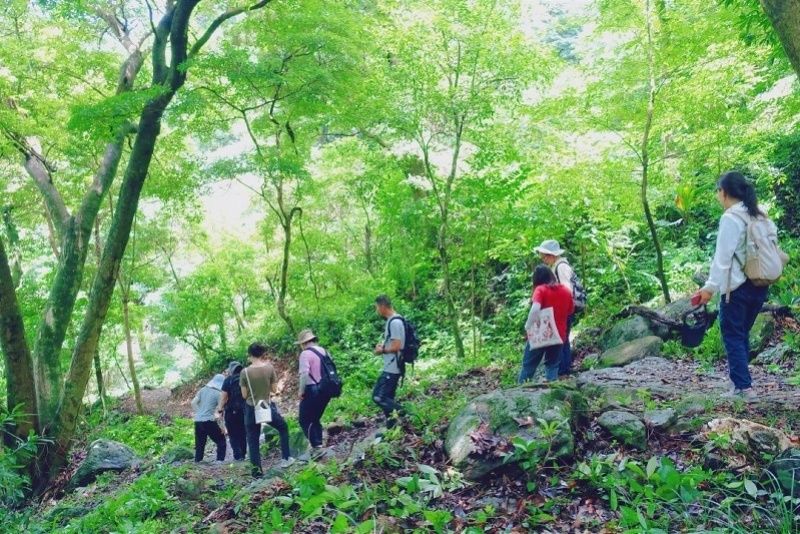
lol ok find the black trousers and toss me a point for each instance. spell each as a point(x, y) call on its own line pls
point(204, 430)
point(312, 406)
point(253, 433)
point(234, 422)
point(383, 394)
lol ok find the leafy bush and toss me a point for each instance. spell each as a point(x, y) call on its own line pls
point(14, 482)
point(147, 435)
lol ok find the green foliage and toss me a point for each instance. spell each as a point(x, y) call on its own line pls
point(146, 434)
point(15, 483)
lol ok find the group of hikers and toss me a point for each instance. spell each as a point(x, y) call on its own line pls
point(230, 402)
point(557, 294)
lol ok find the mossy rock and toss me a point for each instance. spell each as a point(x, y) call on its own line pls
point(178, 454)
point(631, 351)
point(625, 427)
point(104, 455)
point(786, 470)
point(763, 329)
point(660, 419)
point(480, 434)
point(625, 331)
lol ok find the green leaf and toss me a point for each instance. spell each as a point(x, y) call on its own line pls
point(750, 488)
point(652, 465)
point(340, 524)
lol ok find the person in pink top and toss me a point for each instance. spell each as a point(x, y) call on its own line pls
point(312, 401)
point(547, 293)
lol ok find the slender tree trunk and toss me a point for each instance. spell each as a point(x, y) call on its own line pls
point(98, 367)
point(126, 323)
point(20, 383)
point(785, 18)
point(653, 89)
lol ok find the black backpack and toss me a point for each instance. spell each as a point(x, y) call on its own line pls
point(579, 295)
point(329, 384)
point(235, 399)
point(410, 349)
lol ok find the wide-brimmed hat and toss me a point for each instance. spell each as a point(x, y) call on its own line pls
point(549, 246)
point(216, 382)
point(305, 336)
point(233, 366)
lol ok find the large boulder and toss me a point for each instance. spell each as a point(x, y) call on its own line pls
point(104, 455)
point(630, 329)
point(786, 470)
point(178, 454)
point(479, 436)
point(625, 427)
point(631, 351)
point(757, 439)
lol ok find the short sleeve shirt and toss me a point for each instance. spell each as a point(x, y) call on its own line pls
point(261, 379)
point(559, 298)
point(394, 330)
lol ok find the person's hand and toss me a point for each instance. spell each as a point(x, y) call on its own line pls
point(701, 297)
point(535, 316)
point(300, 395)
point(379, 349)
point(218, 414)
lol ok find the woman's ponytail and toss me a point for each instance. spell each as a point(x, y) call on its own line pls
point(736, 185)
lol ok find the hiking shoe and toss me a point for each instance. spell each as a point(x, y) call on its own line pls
point(318, 453)
point(746, 394)
point(287, 462)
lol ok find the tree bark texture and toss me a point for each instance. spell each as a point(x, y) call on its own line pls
point(645, 155)
point(126, 321)
point(785, 18)
point(20, 387)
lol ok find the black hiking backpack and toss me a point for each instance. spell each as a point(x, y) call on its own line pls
point(235, 399)
point(410, 350)
point(579, 295)
point(329, 383)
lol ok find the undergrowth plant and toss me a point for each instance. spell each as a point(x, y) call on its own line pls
point(14, 481)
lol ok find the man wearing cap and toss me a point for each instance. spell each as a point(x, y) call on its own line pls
point(205, 421)
point(231, 404)
point(312, 401)
point(550, 253)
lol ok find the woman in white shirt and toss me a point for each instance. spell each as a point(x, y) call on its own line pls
point(740, 300)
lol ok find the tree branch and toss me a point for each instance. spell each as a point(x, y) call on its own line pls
point(198, 45)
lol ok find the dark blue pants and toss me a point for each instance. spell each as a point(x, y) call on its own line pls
point(204, 430)
point(532, 357)
point(312, 406)
point(253, 432)
point(383, 395)
point(736, 319)
point(565, 365)
point(234, 423)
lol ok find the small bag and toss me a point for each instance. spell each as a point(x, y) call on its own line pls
point(262, 408)
point(544, 332)
point(263, 412)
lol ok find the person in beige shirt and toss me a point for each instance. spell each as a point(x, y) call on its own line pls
point(259, 382)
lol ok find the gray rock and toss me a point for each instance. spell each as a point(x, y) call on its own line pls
point(786, 470)
point(714, 462)
point(625, 427)
point(762, 330)
point(630, 329)
point(631, 351)
point(178, 454)
point(776, 354)
point(104, 455)
point(674, 311)
point(660, 419)
point(479, 435)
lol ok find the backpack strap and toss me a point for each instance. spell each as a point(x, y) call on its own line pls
point(556, 265)
point(319, 355)
point(746, 219)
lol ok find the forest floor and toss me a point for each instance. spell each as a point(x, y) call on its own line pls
point(580, 511)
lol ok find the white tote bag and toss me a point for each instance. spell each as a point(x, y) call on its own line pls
point(544, 332)
point(262, 409)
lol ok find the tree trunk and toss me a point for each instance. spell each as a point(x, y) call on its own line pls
point(126, 324)
point(20, 389)
point(645, 156)
point(785, 18)
point(98, 367)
